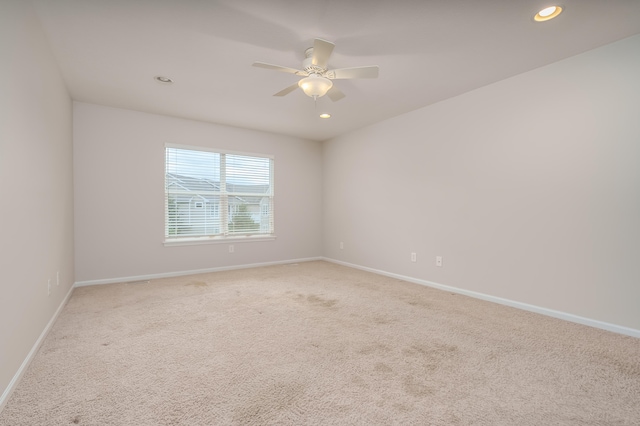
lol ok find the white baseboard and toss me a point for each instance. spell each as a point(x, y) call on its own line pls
point(192, 272)
point(524, 306)
point(25, 364)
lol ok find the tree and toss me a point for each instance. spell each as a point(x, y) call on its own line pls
point(172, 212)
point(242, 222)
point(176, 223)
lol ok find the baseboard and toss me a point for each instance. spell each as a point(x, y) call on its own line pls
point(192, 272)
point(519, 305)
point(25, 364)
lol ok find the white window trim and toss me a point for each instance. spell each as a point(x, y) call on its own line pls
point(190, 241)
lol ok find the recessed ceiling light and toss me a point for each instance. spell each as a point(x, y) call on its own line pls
point(325, 115)
point(162, 79)
point(548, 13)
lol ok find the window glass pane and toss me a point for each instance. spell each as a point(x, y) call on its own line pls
point(194, 164)
point(248, 174)
point(217, 194)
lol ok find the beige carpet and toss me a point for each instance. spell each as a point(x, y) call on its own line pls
point(318, 344)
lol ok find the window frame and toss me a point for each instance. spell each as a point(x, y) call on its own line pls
point(219, 238)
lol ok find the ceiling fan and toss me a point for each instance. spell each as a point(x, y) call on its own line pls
point(317, 81)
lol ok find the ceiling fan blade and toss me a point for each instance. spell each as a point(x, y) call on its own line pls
point(279, 68)
point(321, 52)
point(287, 90)
point(357, 72)
point(335, 94)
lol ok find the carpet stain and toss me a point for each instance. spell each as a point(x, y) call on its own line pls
point(627, 369)
point(265, 405)
point(382, 320)
point(75, 420)
point(359, 381)
point(420, 303)
point(197, 284)
point(434, 351)
point(320, 301)
point(415, 388)
point(492, 356)
point(375, 348)
point(403, 408)
point(381, 367)
point(432, 357)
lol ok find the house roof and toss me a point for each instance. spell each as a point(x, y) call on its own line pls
point(188, 189)
point(189, 183)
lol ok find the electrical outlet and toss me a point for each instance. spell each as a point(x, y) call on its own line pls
point(49, 287)
point(341, 245)
point(438, 260)
point(231, 248)
point(413, 257)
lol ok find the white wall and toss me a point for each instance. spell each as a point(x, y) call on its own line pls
point(36, 186)
point(529, 188)
point(119, 193)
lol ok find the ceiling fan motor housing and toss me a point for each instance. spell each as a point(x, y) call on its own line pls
point(308, 65)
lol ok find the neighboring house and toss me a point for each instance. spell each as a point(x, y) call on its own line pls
point(197, 206)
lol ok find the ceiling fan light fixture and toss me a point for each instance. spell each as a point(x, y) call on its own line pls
point(315, 86)
point(548, 13)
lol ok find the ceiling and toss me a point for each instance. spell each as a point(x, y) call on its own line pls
point(109, 52)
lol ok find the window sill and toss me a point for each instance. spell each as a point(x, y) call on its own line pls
point(217, 240)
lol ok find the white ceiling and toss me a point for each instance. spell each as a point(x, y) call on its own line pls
point(428, 50)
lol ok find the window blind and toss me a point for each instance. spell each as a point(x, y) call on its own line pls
point(210, 194)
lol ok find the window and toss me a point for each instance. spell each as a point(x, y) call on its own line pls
point(217, 195)
point(214, 210)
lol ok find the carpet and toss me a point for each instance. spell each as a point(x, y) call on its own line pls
point(318, 344)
